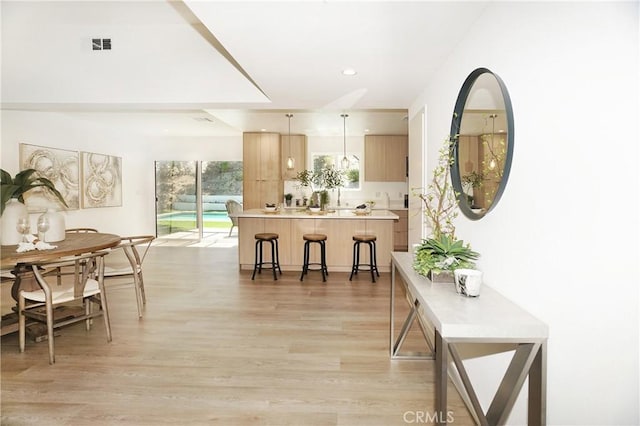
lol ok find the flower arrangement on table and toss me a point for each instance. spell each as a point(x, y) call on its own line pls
point(442, 252)
point(326, 178)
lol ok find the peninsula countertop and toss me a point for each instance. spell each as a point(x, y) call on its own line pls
point(301, 213)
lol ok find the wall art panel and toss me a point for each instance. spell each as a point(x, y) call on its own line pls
point(101, 180)
point(61, 167)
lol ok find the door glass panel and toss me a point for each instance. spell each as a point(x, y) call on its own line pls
point(221, 181)
point(176, 190)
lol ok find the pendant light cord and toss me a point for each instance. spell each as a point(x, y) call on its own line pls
point(345, 160)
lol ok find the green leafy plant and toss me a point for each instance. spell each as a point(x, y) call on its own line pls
point(442, 251)
point(305, 178)
point(443, 254)
point(23, 182)
point(288, 196)
point(325, 178)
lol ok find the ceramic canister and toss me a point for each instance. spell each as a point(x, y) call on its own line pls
point(13, 210)
point(57, 226)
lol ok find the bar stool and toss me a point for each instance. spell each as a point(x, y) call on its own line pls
point(372, 266)
point(275, 257)
point(320, 239)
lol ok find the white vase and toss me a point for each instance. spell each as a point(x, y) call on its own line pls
point(13, 210)
point(57, 226)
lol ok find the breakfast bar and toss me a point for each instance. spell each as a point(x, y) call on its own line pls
point(338, 225)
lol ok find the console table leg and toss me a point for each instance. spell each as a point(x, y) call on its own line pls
point(442, 352)
point(538, 388)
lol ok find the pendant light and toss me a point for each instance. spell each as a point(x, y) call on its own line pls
point(492, 162)
point(290, 161)
point(345, 160)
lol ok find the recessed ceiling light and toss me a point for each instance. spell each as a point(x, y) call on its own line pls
point(349, 71)
point(366, 130)
point(263, 130)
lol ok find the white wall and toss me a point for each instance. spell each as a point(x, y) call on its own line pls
point(563, 242)
point(138, 152)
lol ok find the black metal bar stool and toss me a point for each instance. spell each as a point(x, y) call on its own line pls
point(372, 266)
point(275, 256)
point(320, 239)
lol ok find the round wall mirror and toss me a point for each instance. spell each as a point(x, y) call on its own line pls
point(482, 136)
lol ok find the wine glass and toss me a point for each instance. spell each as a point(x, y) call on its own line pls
point(23, 227)
point(43, 226)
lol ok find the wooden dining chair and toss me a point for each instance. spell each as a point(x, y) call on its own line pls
point(58, 269)
point(80, 230)
point(135, 249)
point(86, 284)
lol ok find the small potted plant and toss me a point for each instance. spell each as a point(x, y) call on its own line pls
point(12, 191)
point(438, 256)
point(23, 182)
point(287, 198)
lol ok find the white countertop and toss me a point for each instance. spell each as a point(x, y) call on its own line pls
point(294, 213)
point(490, 316)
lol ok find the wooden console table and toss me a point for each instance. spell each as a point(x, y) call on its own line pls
point(489, 318)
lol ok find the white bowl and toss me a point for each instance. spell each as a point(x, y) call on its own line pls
point(270, 209)
point(314, 209)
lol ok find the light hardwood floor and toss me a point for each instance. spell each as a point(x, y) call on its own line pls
point(215, 347)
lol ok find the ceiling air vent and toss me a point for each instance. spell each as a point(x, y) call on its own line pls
point(101, 43)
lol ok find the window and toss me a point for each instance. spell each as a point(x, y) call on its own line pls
point(352, 173)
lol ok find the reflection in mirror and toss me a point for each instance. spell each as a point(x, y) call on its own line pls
point(482, 128)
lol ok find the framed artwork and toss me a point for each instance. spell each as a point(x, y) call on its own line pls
point(61, 167)
point(101, 180)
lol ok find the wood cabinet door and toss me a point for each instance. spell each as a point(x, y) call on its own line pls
point(385, 158)
point(401, 231)
point(396, 155)
point(374, 158)
point(270, 156)
point(295, 147)
point(261, 170)
point(251, 156)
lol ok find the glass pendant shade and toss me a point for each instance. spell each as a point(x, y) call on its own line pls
point(345, 162)
point(291, 162)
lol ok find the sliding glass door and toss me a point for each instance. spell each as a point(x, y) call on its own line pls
point(191, 197)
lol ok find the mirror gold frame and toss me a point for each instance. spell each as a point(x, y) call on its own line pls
point(482, 143)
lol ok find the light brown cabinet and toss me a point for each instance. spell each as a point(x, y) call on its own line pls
point(385, 158)
point(296, 148)
point(261, 165)
point(401, 231)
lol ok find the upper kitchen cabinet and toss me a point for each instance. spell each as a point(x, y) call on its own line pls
point(385, 158)
point(296, 148)
point(261, 165)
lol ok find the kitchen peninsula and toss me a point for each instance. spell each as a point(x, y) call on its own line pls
point(338, 225)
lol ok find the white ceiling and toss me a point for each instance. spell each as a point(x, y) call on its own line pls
point(241, 65)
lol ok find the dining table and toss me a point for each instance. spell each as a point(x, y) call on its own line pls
point(74, 244)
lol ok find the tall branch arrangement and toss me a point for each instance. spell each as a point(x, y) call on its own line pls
point(442, 251)
point(440, 200)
